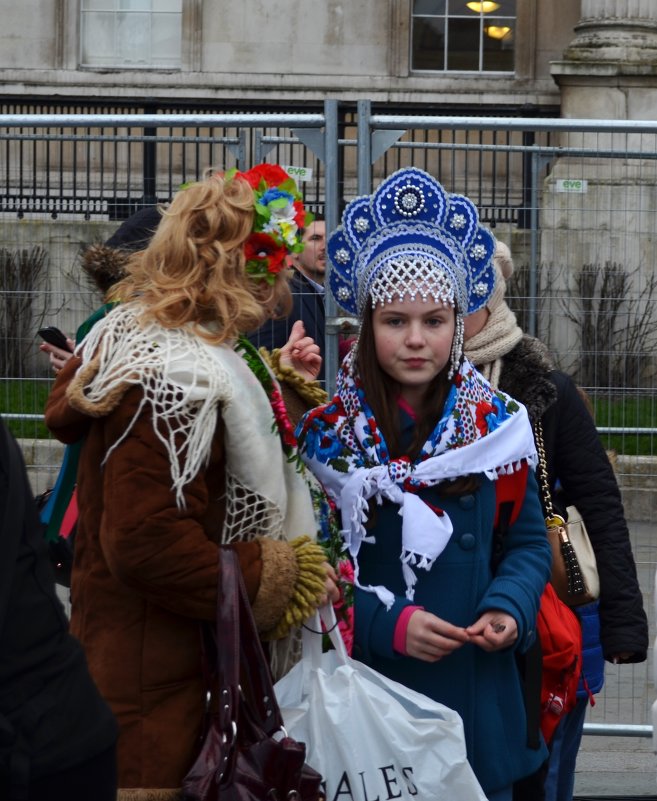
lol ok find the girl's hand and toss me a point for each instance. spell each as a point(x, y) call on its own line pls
point(332, 594)
point(430, 638)
point(493, 631)
point(301, 353)
point(57, 356)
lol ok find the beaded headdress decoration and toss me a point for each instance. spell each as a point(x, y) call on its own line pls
point(278, 221)
point(410, 238)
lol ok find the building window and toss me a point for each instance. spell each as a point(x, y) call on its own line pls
point(463, 36)
point(131, 33)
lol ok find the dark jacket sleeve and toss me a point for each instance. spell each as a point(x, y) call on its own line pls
point(307, 306)
point(275, 333)
point(578, 460)
point(52, 716)
point(66, 423)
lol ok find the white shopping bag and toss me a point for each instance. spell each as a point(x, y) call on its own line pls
point(371, 737)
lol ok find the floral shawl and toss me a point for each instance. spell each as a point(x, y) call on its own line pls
point(481, 430)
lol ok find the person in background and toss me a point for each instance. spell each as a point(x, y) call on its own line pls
point(57, 735)
point(104, 265)
point(188, 449)
point(411, 449)
point(307, 287)
point(614, 628)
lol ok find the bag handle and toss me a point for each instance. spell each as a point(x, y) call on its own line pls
point(313, 634)
point(239, 647)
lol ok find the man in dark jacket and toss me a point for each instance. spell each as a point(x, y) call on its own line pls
point(615, 628)
point(57, 735)
point(307, 287)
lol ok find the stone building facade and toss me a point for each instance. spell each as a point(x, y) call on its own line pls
point(577, 58)
point(424, 54)
point(594, 59)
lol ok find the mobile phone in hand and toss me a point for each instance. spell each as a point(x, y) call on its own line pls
point(53, 336)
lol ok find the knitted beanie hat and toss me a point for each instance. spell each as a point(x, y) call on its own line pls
point(105, 263)
point(504, 268)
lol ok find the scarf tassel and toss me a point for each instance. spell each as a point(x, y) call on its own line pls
point(410, 558)
point(410, 579)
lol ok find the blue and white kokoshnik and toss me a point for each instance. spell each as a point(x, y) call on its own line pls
point(410, 218)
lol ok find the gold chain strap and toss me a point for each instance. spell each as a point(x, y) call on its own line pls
point(551, 518)
point(542, 469)
point(575, 584)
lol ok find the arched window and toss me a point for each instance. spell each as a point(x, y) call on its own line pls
point(131, 33)
point(463, 36)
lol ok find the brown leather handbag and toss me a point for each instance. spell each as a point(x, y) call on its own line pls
point(246, 754)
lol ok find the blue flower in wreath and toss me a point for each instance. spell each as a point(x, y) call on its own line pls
point(276, 194)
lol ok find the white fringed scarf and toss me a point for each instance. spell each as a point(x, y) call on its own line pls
point(185, 380)
point(481, 431)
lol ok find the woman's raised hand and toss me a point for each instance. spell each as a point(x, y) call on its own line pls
point(301, 353)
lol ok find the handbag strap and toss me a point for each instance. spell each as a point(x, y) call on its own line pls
point(575, 580)
point(240, 655)
point(550, 518)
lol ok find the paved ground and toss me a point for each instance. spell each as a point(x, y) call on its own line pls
point(616, 767)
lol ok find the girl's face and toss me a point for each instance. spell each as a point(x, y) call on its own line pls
point(413, 342)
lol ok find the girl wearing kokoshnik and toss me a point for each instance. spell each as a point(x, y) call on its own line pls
point(410, 449)
point(189, 447)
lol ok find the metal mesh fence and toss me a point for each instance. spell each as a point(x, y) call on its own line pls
point(575, 202)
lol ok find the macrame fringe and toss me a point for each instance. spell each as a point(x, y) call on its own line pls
point(309, 587)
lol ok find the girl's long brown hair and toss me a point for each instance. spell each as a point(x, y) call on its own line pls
point(193, 270)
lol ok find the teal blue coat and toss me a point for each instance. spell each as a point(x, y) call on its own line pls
point(484, 688)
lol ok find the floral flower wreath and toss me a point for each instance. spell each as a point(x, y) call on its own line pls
point(279, 218)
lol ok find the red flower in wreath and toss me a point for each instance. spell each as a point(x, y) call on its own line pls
point(271, 174)
point(285, 427)
point(344, 607)
point(299, 214)
point(263, 255)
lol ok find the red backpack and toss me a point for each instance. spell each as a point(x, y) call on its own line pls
point(552, 668)
point(560, 633)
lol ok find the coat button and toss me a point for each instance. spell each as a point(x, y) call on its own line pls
point(467, 501)
point(467, 542)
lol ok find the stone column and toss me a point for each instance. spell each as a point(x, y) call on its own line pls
point(623, 32)
point(609, 70)
point(597, 210)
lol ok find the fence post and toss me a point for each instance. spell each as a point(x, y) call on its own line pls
point(331, 200)
point(364, 147)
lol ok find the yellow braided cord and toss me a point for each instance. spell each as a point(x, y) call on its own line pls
point(310, 391)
